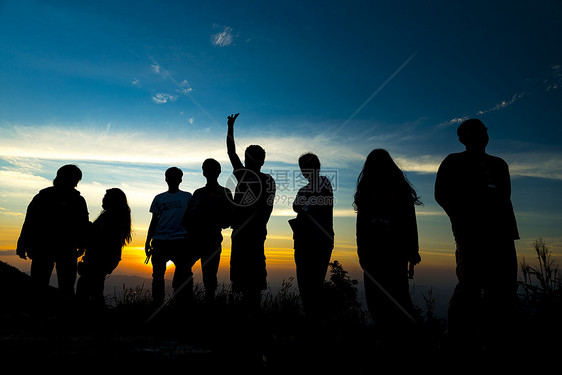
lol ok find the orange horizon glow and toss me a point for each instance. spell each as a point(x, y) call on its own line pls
point(279, 262)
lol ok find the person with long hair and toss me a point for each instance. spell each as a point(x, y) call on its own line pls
point(109, 233)
point(387, 241)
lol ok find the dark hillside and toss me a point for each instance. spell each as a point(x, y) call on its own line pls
point(16, 290)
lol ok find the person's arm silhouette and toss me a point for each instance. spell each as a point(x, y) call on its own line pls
point(231, 145)
point(150, 234)
point(445, 186)
point(29, 229)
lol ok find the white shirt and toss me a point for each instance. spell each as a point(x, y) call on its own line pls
point(170, 208)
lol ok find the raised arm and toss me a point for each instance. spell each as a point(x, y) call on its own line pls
point(231, 145)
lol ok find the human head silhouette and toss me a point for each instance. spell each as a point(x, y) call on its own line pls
point(473, 134)
point(381, 175)
point(174, 177)
point(114, 199)
point(309, 165)
point(211, 169)
point(115, 203)
point(379, 163)
point(68, 176)
point(254, 157)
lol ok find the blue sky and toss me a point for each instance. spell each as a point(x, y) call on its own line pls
point(126, 89)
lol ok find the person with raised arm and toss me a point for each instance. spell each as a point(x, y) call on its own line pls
point(253, 203)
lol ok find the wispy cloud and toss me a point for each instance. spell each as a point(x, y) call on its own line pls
point(162, 98)
point(182, 88)
point(419, 164)
point(5, 211)
point(16, 185)
point(29, 144)
point(502, 104)
point(554, 79)
point(26, 149)
point(551, 81)
point(223, 39)
point(536, 164)
point(453, 121)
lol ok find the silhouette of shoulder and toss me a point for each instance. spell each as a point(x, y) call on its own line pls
point(179, 194)
point(59, 200)
point(465, 156)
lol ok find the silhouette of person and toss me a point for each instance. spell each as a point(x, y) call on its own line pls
point(108, 234)
point(313, 233)
point(253, 204)
point(208, 212)
point(54, 233)
point(474, 189)
point(387, 242)
point(166, 240)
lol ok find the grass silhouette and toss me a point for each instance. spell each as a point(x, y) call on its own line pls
point(224, 336)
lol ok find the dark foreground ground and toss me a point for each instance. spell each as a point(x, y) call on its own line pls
point(223, 337)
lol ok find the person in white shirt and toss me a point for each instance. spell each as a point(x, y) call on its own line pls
point(166, 240)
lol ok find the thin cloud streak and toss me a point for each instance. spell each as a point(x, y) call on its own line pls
point(501, 105)
point(25, 147)
point(534, 164)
